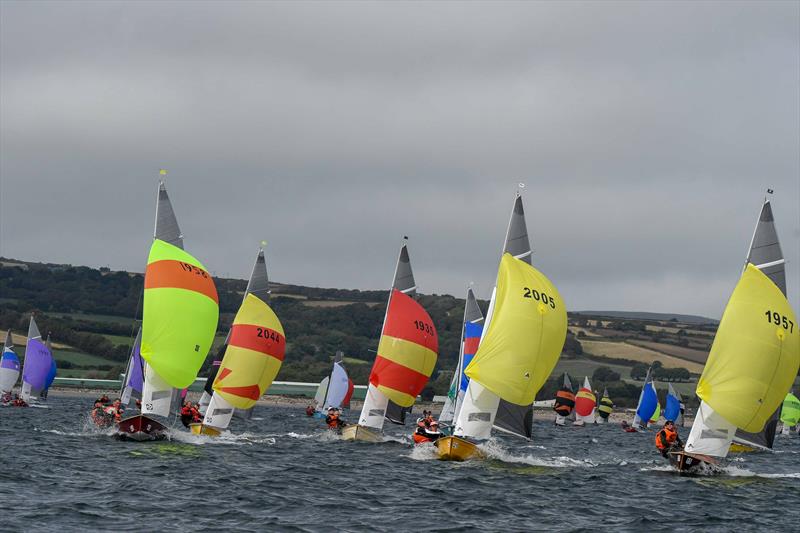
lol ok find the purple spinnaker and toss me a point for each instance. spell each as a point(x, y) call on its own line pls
point(135, 380)
point(38, 361)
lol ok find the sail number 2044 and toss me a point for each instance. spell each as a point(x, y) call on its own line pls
point(527, 292)
point(774, 317)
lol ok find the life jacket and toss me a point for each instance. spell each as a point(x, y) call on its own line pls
point(668, 439)
point(565, 402)
point(333, 421)
point(186, 411)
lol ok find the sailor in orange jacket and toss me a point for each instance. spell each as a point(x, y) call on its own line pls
point(668, 439)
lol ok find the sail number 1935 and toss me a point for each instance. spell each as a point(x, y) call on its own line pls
point(424, 327)
point(527, 292)
point(774, 317)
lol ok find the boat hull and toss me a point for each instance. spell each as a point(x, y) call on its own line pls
point(457, 449)
point(198, 428)
point(141, 428)
point(692, 463)
point(361, 433)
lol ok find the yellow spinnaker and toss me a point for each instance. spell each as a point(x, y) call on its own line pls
point(755, 355)
point(525, 336)
point(254, 354)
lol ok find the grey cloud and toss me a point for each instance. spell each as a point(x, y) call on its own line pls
point(646, 134)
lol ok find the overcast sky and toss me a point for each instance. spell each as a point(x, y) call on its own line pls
point(646, 135)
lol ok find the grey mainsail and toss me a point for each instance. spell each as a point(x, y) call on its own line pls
point(516, 419)
point(403, 276)
point(8, 343)
point(166, 228)
point(259, 280)
point(766, 255)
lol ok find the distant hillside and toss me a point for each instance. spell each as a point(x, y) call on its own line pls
point(644, 315)
point(93, 315)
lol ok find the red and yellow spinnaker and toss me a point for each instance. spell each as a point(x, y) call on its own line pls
point(407, 351)
point(254, 355)
point(181, 310)
point(525, 336)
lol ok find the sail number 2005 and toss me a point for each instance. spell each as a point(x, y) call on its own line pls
point(527, 292)
point(774, 317)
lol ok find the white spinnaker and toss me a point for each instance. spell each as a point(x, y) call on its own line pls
point(156, 394)
point(319, 397)
point(219, 413)
point(337, 387)
point(711, 434)
point(479, 406)
point(374, 410)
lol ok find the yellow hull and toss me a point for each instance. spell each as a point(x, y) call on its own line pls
point(741, 448)
point(356, 432)
point(201, 429)
point(457, 449)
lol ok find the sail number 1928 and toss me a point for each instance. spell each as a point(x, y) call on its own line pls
point(191, 268)
point(774, 317)
point(527, 292)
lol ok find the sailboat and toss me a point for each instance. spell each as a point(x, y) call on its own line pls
point(37, 364)
point(752, 364)
point(790, 413)
point(258, 284)
point(674, 407)
point(407, 353)
point(9, 366)
point(181, 310)
point(605, 408)
point(133, 383)
point(254, 354)
point(648, 403)
point(585, 403)
point(335, 389)
point(765, 253)
point(525, 330)
point(564, 402)
point(51, 374)
point(470, 339)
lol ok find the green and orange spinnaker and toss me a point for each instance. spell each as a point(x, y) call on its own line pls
point(254, 355)
point(181, 310)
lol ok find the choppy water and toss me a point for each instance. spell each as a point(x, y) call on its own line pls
point(283, 471)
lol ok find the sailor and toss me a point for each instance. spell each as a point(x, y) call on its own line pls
point(668, 439)
point(426, 434)
point(196, 417)
point(627, 427)
point(428, 416)
point(186, 414)
point(103, 399)
point(333, 420)
point(310, 410)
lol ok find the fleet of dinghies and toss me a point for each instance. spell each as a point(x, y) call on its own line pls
point(503, 361)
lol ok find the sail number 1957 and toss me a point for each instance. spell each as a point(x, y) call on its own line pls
point(538, 296)
point(778, 319)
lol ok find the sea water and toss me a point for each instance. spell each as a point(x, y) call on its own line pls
point(283, 471)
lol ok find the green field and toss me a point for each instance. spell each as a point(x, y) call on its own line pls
point(96, 318)
point(120, 339)
point(578, 368)
point(82, 359)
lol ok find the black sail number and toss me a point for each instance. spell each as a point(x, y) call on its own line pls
point(774, 317)
point(527, 292)
point(195, 270)
point(268, 334)
point(424, 327)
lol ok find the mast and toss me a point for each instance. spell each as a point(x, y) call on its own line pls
point(766, 255)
